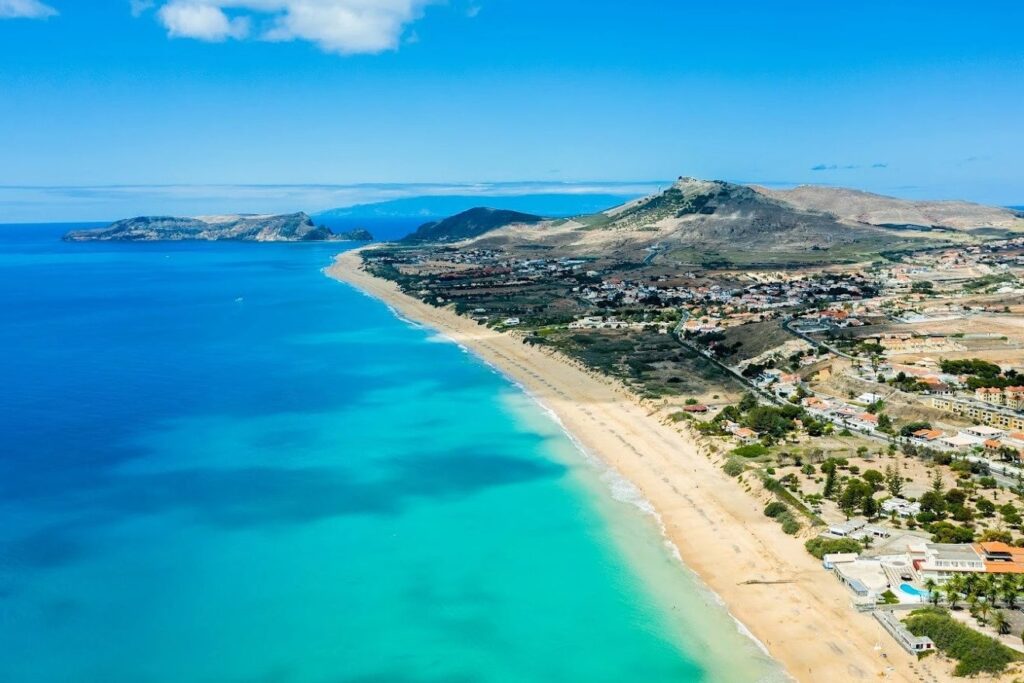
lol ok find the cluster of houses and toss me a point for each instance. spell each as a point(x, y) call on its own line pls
point(995, 256)
point(730, 306)
point(984, 413)
point(968, 438)
point(1011, 397)
point(840, 412)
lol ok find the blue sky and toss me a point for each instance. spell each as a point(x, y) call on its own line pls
point(198, 97)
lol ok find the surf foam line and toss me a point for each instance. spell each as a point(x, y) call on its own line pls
point(625, 491)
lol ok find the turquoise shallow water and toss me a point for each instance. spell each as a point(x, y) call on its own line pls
point(217, 465)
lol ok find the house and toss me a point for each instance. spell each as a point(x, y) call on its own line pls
point(1014, 397)
point(915, 645)
point(845, 529)
point(989, 395)
point(901, 507)
point(865, 577)
point(830, 560)
point(868, 398)
point(813, 404)
point(940, 561)
point(960, 441)
point(926, 437)
point(865, 421)
point(984, 432)
point(871, 531)
point(1000, 558)
point(745, 435)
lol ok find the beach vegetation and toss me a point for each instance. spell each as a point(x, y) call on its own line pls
point(754, 450)
point(820, 547)
point(974, 652)
point(789, 524)
point(775, 508)
point(733, 467)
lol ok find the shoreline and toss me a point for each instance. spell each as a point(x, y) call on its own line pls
point(714, 527)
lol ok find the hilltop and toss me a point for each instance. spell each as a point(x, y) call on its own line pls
point(469, 224)
point(295, 227)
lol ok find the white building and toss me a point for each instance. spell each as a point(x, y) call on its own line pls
point(940, 561)
point(901, 507)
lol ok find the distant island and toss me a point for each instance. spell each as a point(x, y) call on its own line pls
point(294, 227)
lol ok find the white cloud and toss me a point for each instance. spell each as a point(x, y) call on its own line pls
point(202, 21)
point(25, 9)
point(338, 26)
point(140, 7)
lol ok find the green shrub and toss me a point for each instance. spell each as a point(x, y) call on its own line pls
point(734, 467)
point(754, 450)
point(774, 509)
point(820, 547)
point(975, 653)
point(889, 598)
point(789, 524)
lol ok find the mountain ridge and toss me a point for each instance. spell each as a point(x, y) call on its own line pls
point(697, 221)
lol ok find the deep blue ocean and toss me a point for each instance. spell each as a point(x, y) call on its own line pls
point(219, 466)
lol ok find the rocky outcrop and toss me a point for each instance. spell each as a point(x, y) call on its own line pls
point(357, 235)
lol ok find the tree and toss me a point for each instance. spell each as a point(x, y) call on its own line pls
point(1009, 589)
point(868, 507)
point(983, 609)
point(933, 502)
point(933, 591)
point(875, 478)
point(894, 481)
point(830, 482)
point(853, 495)
point(748, 402)
point(937, 485)
point(952, 589)
point(1001, 623)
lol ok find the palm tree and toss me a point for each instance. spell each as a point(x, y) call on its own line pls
point(933, 593)
point(990, 588)
point(1009, 588)
point(984, 609)
point(1001, 623)
point(952, 590)
point(971, 583)
point(973, 604)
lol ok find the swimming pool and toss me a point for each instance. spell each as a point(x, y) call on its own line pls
point(916, 592)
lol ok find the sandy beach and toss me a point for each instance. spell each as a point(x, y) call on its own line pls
point(765, 578)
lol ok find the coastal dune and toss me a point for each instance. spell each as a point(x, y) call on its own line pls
point(765, 578)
